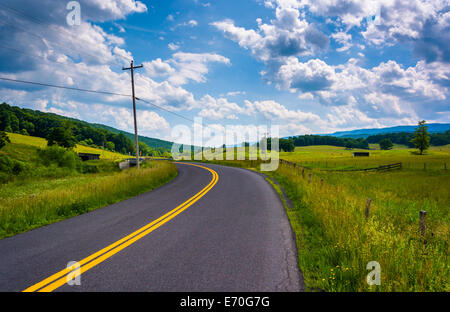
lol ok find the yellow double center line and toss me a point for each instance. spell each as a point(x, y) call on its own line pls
point(61, 278)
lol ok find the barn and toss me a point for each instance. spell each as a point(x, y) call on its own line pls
point(361, 154)
point(88, 156)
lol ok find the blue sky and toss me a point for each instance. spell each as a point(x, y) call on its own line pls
point(307, 66)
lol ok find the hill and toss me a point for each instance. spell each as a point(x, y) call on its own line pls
point(14, 119)
point(26, 140)
point(151, 142)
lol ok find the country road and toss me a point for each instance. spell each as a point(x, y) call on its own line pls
point(212, 228)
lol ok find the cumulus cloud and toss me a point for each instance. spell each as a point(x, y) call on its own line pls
point(344, 39)
point(193, 66)
point(87, 57)
point(273, 110)
point(220, 108)
point(423, 23)
point(314, 75)
point(388, 89)
point(158, 68)
point(287, 35)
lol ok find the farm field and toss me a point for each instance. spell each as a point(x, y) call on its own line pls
point(336, 240)
point(332, 157)
point(42, 143)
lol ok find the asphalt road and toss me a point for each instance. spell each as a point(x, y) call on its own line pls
point(236, 237)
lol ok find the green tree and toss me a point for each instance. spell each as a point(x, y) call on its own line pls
point(110, 146)
point(15, 124)
point(144, 149)
point(421, 138)
point(62, 136)
point(386, 144)
point(287, 145)
point(3, 139)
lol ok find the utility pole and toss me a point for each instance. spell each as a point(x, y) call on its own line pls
point(132, 68)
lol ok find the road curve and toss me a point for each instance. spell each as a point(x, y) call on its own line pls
point(230, 233)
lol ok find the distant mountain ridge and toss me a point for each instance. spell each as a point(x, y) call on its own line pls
point(364, 133)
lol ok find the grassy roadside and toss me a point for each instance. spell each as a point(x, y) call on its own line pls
point(25, 206)
point(335, 241)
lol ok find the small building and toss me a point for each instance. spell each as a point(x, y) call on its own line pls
point(88, 156)
point(361, 154)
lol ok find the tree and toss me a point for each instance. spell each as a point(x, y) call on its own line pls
point(421, 138)
point(144, 149)
point(386, 144)
point(287, 145)
point(62, 136)
point(3, 139)
point(110, 146)
point(15, 124)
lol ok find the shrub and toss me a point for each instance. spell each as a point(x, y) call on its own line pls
point(59, 156)
point(386, 144)
point(89, 168)
point(9, 168)
point(3, 139)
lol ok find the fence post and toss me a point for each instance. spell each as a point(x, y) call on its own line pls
point(303, 173)
point(309, 178)
point(368, 204)
point(423, 224)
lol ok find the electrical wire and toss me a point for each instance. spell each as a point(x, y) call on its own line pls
point(63, 87)
point(38, 21)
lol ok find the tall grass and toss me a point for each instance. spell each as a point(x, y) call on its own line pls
point(21, 211)
point(335, 240)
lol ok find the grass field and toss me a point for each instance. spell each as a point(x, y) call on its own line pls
point(336, 241)
point(44, 195)
point(42, 143)
point(332, 157)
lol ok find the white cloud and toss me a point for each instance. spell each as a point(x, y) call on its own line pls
point(344, 39)
point(235, 93)
point(193, 66)
point(423, 23)
point(275, 111)
point(287, 35)
point(173, 46)
point(158, 68)
point(192, 23)
point(212, 108)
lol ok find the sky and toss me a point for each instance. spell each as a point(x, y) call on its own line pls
point(307, 66)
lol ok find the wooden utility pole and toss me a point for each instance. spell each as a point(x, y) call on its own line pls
point(132, 68)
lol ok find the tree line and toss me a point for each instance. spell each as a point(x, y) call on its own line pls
point(289, 144)
point(67, 132)
point(311, 140)
point(404, 138)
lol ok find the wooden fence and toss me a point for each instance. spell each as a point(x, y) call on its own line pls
point(379, 168)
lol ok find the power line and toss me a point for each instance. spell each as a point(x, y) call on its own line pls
point(53, 43)
point(93, 91)
point(40, 57)
point(38, 21)
point(164, 109)
point(173, 113)
point(62, 87)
